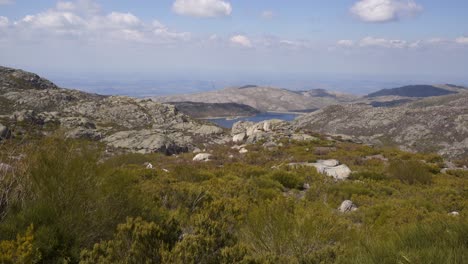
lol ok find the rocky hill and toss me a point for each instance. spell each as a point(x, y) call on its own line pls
point(33, 105)
point(435, 124)
point(205, 110)
point(266, 99)
point(416, 91)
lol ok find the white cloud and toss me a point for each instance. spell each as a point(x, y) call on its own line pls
point(84, 18)
point(4, 22)
point(384, 43)
point(123, 20)
point(241, 40)
point(462, 40)
point(53, 20)
point(376, 11)
point(268, 14)
point(345, 43)
point(65, 6)
point(202, 8)
point(6, 2)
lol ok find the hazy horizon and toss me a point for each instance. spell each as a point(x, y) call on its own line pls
point(178, 46)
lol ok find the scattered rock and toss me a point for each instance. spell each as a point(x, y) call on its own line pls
point(238, 147)
point(454, 213)
point(208, 130)
point(306, 186)
point(243, 151)
point(202, 157)
point(303, 137)
point(239, 137)
point(4, 132)
point(270, 145)
point(84, 133)
point(327, 167)
point(347, 206)
point(376, 157)
point(196, 150)
point(323, 150)
point(148, 165)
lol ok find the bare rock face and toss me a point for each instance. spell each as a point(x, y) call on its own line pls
point(130, 124)
point(437, 124)
point(268, 130)
point(347, 207)
point(239, 137)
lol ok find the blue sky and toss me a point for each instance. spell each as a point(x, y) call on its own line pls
point(240, 40)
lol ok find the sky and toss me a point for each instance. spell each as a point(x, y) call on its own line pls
point(207, 43)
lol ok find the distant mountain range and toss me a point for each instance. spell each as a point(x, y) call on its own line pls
point(267, 99)
point(270, 99)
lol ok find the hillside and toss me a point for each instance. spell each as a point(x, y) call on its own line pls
point(266, 99)
point(435, 124)
point(416, 91)
point(205, 110)
point(32, 105)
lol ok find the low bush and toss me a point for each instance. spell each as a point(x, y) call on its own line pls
point(410, 171)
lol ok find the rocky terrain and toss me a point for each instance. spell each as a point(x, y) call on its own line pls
point(435, 124)
point(33, 105)
point(207, 110)
point(266, 99)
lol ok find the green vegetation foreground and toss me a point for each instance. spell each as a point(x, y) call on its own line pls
point(62, 201)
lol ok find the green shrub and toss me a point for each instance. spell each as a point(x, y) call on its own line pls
point(21, 250)
point(458, 173)
point(135, 241)
point(368, 175)
point(283, 232)
point(410, 171)
point(287, 179)
point(437, 242)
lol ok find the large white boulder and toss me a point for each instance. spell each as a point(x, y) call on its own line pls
point(239, 137)
point(340, 172)
point(202, 157)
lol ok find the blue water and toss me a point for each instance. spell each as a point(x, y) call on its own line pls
point(257, 118)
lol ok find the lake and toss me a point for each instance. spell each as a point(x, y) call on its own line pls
point(228, 123)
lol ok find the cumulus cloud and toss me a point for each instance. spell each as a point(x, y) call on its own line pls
point(202, 8)
point(384, 43)
point(268, 14)
point(345, 43)
point(4, 22)
point(378, 11)
point(84, 18)
point(462, 40)
point(241, 40)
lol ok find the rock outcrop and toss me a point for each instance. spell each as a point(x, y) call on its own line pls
point(269, 130)
point(435, 124)
point(130, 124)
